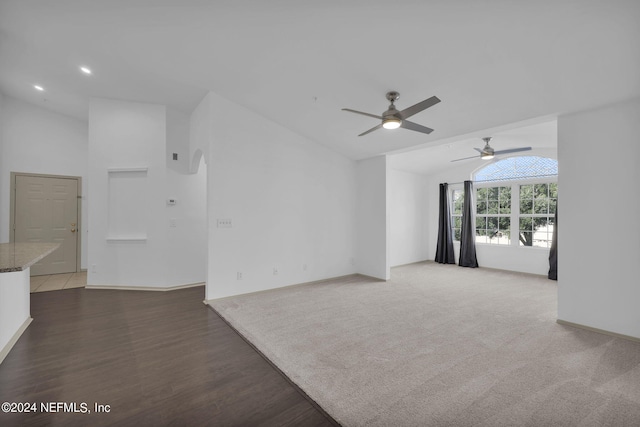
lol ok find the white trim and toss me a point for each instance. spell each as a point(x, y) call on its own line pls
point(14, 339)
point(145, 288)
point(597, 330)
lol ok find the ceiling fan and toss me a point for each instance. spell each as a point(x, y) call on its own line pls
point(487, 153)
point(393, 119)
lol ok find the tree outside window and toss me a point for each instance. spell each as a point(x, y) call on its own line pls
point(457, 201)
point(537, 208)
point(493, 215)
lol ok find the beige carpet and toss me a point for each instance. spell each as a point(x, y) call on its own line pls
point(441, 345)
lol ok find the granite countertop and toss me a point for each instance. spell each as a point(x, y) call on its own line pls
point(20, 256)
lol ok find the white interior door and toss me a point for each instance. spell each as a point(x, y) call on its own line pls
point(46, 210)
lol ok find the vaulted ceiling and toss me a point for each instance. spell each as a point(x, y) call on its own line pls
point(491, 62)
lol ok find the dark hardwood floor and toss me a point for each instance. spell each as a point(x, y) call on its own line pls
point(156, 358)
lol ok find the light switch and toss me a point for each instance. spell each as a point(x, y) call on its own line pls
point(224, 223)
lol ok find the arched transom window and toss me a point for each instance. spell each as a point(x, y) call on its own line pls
point(524, 167)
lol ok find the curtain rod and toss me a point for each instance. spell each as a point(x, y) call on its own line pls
point(505, 179)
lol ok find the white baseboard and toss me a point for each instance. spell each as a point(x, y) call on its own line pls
point(144, 288)
point(14, 339)
point(208, 301)
point(600, 331)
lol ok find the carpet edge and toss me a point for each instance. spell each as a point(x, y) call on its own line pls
point(313, 403)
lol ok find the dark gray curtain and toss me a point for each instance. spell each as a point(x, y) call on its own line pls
point(553, 253)
point(444, 250)
point(468, 231)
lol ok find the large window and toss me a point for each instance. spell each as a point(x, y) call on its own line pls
point(515, 197)
point(537, 208)
point(493, 215)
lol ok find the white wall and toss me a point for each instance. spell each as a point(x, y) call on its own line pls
point(290, 200)
point(178, 141)
point(134, 135)
point(409, 212)
point(598, 211)
point(525, 260)
point(186, 251)
point(36, 140)
point(187, 242)
point(373, 218)
point(200, 133)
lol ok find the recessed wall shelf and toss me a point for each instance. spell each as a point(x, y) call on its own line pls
point(116, 170)
point(126, 239)
point(128, 204)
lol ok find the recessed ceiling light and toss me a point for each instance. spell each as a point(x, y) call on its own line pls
point(85, 70)
point(38, 87)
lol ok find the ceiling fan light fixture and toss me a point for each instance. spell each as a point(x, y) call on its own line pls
point(486, 156)
point(391, 123)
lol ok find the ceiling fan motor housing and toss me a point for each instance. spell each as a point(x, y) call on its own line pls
point(393, 96)
point(487, 150)
point(392, 112)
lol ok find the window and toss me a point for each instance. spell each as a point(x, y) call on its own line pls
point(537, 208)
point(515, 197)
point(513, 168)
point(493, 215)
point(456, 213)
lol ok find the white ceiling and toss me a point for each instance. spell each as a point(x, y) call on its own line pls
point(541, 137)
point(491, 62)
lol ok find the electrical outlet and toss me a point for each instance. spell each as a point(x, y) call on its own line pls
point(353, 261)
point(275, 271)
point(239, 275)
point(304, 267)
point(172, 223)
point(94, 268)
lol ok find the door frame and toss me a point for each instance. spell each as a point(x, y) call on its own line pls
point(12, 211)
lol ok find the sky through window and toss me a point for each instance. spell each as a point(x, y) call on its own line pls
point(517, 168)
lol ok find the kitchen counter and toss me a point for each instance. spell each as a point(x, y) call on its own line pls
point(20, 256)
point(15, 300)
